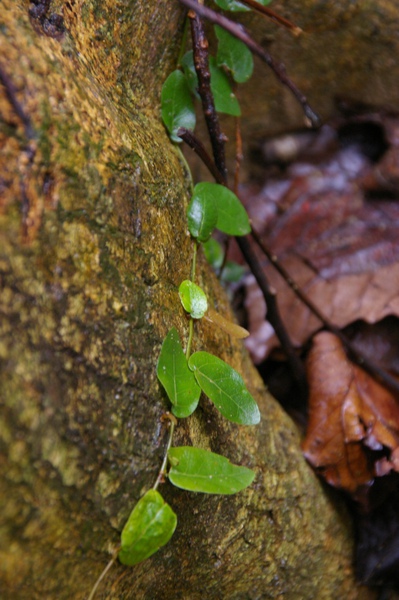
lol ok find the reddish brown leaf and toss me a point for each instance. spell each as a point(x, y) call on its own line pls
point(353, 428)
point(340, 247)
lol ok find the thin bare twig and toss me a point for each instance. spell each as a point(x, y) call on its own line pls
point(356, 356)
point(273, 313)
point(264, 10)
point(278, 68)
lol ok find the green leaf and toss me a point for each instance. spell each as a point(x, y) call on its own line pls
point(225, 387)
point(202, 215)
point(199, 470)
point(232, 217)
point(213, 253)
point(234, 6)
point(150, 526)
point(193, 299)
point(179, 382)
point(234, 54)
point(176, 104)
point(225, 100)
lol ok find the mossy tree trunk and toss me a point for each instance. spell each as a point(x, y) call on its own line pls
point(93, 244)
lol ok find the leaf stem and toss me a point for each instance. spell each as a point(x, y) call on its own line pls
point(162, 471)
point(104, 572)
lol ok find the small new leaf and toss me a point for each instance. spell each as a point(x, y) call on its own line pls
point(202, 214)
point(179, 382)
point(225, 387)
point(150, 526)
point(199, 470)
point(176, 105)
point(234, 55)
point(193, 299)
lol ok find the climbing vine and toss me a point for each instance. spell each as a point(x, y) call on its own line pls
point(213, 206)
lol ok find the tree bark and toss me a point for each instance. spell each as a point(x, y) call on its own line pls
point(93, 247)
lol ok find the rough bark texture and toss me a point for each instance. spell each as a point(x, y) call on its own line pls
point(93, 245)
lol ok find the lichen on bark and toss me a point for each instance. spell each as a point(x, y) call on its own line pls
point(93, 247)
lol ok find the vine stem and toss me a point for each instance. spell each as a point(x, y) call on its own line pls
point(103, 574)
point(162, 471)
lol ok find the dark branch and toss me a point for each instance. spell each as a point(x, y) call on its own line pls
point(201, 63)
point(355, 355)
point(278, 69)
point(195, 144)
point(273, 313)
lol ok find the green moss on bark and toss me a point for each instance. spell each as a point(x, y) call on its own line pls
point(89, 274)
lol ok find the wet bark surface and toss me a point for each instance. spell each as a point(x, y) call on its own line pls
point(93, 247)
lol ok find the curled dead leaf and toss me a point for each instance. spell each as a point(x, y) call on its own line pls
point(353, 428)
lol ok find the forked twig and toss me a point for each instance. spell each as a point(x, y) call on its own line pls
point(278, 69)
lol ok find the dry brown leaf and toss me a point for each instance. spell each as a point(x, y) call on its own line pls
point(353, 428)
point(340, 247)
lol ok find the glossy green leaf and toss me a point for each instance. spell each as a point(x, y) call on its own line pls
point(193, 299)
point(150, 526)
point(213, 253)
point(176, 104)
point(178, 380)
point(199, 470)
point(223, 95)
point(225, 387)
point(202, 214)
point(232, 217)
point(234, 6)
point(234, 54)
